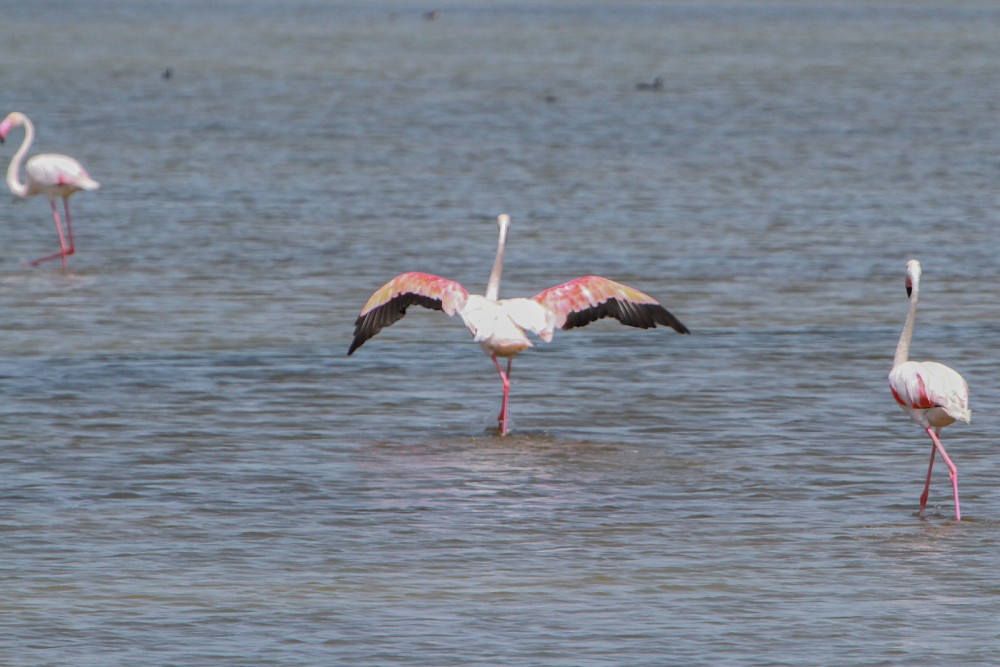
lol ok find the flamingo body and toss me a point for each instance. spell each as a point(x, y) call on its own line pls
point(55, 175)
point(49, 174)
point(934, 395)
point(501, 326)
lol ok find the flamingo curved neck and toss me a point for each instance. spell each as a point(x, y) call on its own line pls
point(16, 186)
point(903, 347)
point(493, 286)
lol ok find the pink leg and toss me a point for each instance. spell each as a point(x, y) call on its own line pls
point(69, 227)
point(505, 378)
point(952, 471)
point(927, 486)
point(63, 249)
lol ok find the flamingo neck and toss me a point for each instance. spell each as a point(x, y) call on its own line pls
point(16, 186)
point(493, 286)
point(903, 346)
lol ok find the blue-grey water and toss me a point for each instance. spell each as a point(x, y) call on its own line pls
point(193, 472)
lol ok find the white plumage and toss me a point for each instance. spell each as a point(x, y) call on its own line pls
point(933, 394)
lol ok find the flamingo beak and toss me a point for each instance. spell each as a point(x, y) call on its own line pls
point(909, 287)
point(5, 126)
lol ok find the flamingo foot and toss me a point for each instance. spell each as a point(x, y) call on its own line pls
point(62, 255)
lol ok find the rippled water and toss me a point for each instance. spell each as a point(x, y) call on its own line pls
point(194, 473)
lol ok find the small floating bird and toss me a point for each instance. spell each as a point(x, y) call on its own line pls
point(656, 84)
point(47, 174)
point(933, 394)
point(499, 325)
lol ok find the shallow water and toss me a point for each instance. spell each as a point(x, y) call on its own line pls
point(195, 473)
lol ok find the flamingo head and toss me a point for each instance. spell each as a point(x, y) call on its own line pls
point(13, 119)
point(503, 221)
point(912, 276)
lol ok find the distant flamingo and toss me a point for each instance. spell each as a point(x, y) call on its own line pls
point(933, 394)
point(47, 174)
point(498, 325)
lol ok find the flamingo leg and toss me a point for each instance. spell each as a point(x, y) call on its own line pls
point(63, 249)
point(952, 470)
point(927, 486)
point(505, 378)
point(510, 362)
point(69, 227)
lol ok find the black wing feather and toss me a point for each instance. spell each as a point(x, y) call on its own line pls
point(392, 311)
point(641, 315)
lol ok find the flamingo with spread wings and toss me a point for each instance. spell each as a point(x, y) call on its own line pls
point(49, 174)
point(499, 325)
point(933, 394)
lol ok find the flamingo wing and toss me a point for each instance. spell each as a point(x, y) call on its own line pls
point(388, 305)
point(531, 315)
point(923, 385)
point(584, 300)
point(49, 172)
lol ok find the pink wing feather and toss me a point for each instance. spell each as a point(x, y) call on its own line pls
point(584, 300)
point(389, 303)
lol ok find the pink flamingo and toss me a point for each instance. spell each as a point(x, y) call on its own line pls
point(499, 325)
point(933, 394)
point(48, 174)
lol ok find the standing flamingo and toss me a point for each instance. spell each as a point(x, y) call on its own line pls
point(498, 325)
point(48, 174)
point(933, 394)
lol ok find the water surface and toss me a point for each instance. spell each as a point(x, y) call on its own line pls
point(195, 473)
